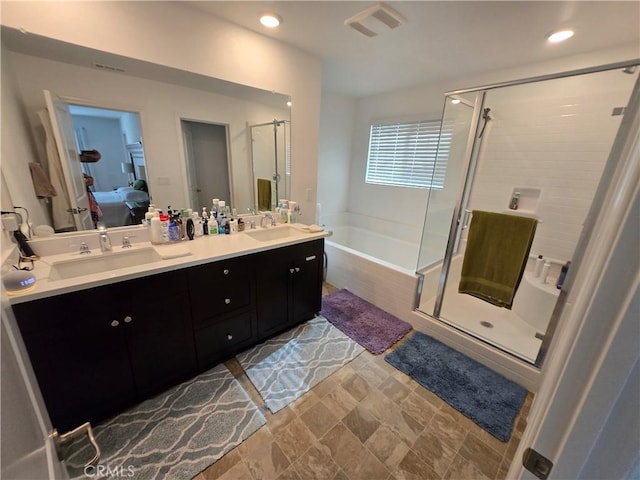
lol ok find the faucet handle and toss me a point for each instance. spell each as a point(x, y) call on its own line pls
point(126, 243)
point(84, 248)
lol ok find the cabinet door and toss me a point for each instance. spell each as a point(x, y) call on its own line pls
point(306, 294)
point(159, 331)
point(80, 360)
point(221, 288)
point(273, 279)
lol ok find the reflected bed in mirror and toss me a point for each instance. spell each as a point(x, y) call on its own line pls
point(163, 97)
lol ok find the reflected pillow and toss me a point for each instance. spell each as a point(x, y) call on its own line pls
point(128, 194)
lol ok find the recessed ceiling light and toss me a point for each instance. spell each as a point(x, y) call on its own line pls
point(455, 101)
point(270, 20)
point(560, 36)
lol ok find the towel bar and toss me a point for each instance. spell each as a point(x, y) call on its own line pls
point(467, 215)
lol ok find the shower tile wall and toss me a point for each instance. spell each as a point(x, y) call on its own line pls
point(555, 136)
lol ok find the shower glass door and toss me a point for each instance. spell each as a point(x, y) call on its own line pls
point(546, 142)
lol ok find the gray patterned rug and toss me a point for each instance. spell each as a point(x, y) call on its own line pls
point(285, 367)
point(175, 435)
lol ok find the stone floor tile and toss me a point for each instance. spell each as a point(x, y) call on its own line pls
point(325, 387)
point(461, 469)
point(393, 389)
point(437, 454)
point(341, 476)
point(388, 413)
point(481, 455)
point(372, 374)
point(260, 437)
point(343, 444)
point(427, 394)
point(412, 467)
point(319, 419)
point(305, 402)
point(446, 428)
point(234, 367)
point(290, 474)
point(361, 423)
point(342, 374)
point(316, 464)
point(366, 466)
point(387, 447)
point(294, 439)
point(357, 387)
point(266, 462)
point(340, 402)
point(419, 408)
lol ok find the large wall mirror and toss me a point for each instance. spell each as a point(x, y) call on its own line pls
point(165, 136)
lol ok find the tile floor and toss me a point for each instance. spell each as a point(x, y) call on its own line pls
point(367, 421)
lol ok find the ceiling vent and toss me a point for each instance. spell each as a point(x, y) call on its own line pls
point(368, 21)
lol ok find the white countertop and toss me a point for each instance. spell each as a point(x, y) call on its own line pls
point(204, 249)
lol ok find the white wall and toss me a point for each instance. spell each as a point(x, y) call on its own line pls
point(407, 205)
point(205, 45)
point(161, 105)
point(336, 134)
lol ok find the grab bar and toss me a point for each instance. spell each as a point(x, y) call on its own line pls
point(84, 429)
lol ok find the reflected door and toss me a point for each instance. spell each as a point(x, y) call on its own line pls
point(65, 139)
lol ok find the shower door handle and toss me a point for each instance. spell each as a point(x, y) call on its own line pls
point(465, 219)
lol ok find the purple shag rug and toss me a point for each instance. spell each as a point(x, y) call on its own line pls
point(370, 326)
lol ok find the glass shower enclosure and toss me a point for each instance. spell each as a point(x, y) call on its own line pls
point(544, 141)
point(271, 161)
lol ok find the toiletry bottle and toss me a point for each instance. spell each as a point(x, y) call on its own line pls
point(545, 272)
point(233, 226)
point(215, 207)
point(190, 228)
point(213, 225)
point(514, 201)
point(197, 223)
point(174, 231)
point(156, 229)
point(539, 263)
point(164, 225)
point(563, 274)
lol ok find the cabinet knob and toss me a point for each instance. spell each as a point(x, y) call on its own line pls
point(227, 301)
point(297, 269)
point(115, 323)
point(229, 336)
point(128, 319)
point(291, 270)
point(226, 271)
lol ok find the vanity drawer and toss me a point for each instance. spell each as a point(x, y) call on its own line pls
point(220, 288)
point(225, 338)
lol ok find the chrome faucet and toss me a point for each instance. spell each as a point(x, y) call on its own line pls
point(84, 248)
point(105, 241)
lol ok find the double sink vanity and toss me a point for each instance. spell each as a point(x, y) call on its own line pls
point(105, 330)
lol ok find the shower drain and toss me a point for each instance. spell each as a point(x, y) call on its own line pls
point(486, 324)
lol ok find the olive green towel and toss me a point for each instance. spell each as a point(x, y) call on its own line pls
point(496, 255)
point(264, 194)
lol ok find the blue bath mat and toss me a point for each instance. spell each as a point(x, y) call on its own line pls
point(486, 397)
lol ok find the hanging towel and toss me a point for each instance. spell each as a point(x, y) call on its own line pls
point(264, 194)
point(41, 183)
point(496, 255)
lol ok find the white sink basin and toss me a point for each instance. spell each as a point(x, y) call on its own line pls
point(273, 233)
point(102, 262)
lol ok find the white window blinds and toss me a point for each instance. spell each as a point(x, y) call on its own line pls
point(409, 154)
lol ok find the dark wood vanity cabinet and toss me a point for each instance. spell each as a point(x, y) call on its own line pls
point(289, 286)
point(223, 308)
point(99, 350)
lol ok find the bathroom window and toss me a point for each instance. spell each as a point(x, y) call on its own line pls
point(409, 154)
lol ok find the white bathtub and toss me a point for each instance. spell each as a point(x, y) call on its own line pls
point(375, 260)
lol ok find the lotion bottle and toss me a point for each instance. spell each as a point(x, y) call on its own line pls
point(539, 265)
point(545, 272)
point(213, 225)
